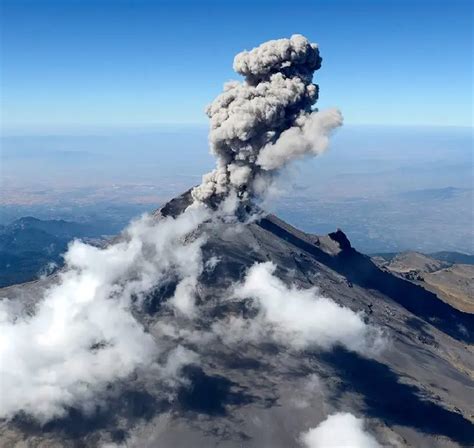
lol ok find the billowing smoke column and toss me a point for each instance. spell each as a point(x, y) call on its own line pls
point(260, 125)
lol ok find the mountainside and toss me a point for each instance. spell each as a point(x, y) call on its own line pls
point(417, 391)
point(30, 247)
point(451, 281)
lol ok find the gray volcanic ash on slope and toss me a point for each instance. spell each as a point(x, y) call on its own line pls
point(253, 375)
point(260, 125)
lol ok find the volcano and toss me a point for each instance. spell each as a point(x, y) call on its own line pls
point(416, 391)
point(210, 323)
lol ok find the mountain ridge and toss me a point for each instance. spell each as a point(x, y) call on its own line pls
point(425, 375)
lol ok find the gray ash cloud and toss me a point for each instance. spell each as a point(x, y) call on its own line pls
point(261, 124)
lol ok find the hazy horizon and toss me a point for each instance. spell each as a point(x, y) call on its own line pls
point(112, 114)
point(389, 187)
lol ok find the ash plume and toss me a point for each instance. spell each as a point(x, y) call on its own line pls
point(261, 124)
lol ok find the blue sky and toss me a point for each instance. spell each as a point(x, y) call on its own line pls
point(72, 64)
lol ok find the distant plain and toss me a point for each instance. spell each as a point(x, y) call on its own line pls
point(389, 188)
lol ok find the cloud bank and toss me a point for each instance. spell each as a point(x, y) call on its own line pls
point(299, 318)
point(83, 334)
point(341, 430)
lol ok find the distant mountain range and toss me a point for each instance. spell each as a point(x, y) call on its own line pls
point(30, 247)
point(450, 275)
point(448, 256)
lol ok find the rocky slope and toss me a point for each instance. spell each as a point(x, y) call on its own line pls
point(451, 282)
point(416, 392)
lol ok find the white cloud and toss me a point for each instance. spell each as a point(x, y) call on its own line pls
point(183, 299)
point(211, 263)
point(82, 335)
point(299, 318)
point(341, 430)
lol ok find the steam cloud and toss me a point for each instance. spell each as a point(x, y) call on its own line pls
point(298, 318)
point(260, 125)
point(341, 430)
point(83, 335)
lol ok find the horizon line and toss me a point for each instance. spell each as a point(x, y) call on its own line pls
point(43, 131)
